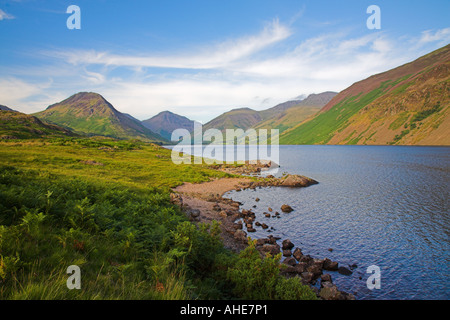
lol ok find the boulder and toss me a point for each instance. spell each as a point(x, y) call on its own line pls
point(297, 254)
point(287, 244)
point(286, 208)
point(315, 270)
point(261, 242)
point(307, 277)
point(223, 214)
point(306, 259)
point(240, 235)
point(331, 293)
point(287, 253)
point(300, 267)
point(290, 261)
point(330, 265)
point(194, 213)
point(272, 249)
point(294, 180)
point(326, 278)
point(345, 271)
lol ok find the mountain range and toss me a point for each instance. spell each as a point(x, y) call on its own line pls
point(91, 114)
point(407, 105)
point(165, 122)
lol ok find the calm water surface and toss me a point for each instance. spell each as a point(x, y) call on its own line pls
point(374, 205)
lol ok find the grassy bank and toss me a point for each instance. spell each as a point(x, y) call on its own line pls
point(104, 205)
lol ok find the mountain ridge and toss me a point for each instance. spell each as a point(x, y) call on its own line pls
point(90, 113)
point(407, 105)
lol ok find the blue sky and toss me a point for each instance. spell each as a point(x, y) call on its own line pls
point(202, 58)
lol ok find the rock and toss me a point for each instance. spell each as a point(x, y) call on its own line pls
point(240, 235)
point(297, 254)
point(315, 269)
point(217, 208)
point(195, 213)
point(262, 241)
point(331, 293)
point(223, 214)
point(294, 180)
point(264, 226)
point(287, 244)
point(326, 284)
point(270, 209)
point(286, 208)
point(318, 262)
point(330, 249)
point(330, 265)
point(326, 278)
point(267, 215)
point(286, 269)
point(257, 199)
point(273, 240)
point(290, 261)
point(306, 259)
point(251, 229)
point(300, 267)
point(176, 199)
point(272, 249)
point(307, 277)
point(345, 271)
point(258, 224)
point(287, 253)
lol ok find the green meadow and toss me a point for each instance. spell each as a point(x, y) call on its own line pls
point(104, 205)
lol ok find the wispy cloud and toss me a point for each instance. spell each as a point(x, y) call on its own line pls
point(442, 36)
point(5, 16)
point(217, 56)
point(256, 71)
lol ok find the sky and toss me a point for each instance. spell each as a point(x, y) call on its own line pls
point(200, 58)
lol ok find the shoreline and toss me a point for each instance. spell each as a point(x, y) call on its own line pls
point(204, 202)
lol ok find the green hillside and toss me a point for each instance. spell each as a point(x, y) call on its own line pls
point(89, 113)
point(406, 105)
point(17, 125)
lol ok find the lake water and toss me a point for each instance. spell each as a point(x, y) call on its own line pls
point(374, 205)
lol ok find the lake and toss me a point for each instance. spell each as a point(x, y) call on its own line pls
point(374, 205)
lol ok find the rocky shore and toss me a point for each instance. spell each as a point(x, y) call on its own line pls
point(204, 203)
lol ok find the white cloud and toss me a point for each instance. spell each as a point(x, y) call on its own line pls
point(235, 73)
point(5, 16)
point(441, 35)
point(218, 56)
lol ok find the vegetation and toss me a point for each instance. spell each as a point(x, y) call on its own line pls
point(104, 205)
point(369, 110)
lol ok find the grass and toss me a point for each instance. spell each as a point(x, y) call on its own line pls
point(104, 205)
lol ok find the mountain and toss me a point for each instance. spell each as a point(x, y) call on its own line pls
point(291, 113)
point(165, 122)
point(89, 113)
point(281, 116)
point(5, 108)
point(408, 105)
point(17, 125)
